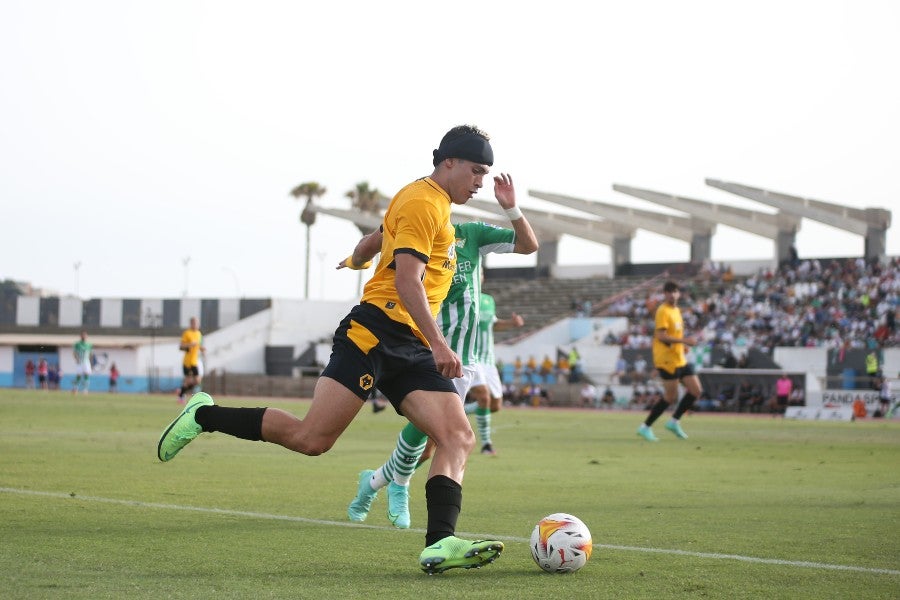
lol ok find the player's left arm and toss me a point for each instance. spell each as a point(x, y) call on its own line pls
point(505, 193)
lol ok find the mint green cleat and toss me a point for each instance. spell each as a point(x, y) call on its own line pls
point(398, 505)
point(360, 506)
point(453, 552)
point(183, 429)
point(647, 433)
point(675, 427)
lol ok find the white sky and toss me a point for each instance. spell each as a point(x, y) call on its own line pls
point(136, 134)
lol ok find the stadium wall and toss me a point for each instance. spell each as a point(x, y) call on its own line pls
point(151, 362)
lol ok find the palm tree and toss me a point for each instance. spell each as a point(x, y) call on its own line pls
point(309, 190)
point(364, 198)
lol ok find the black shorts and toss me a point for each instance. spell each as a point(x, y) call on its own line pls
point(679, 374)
point(190, 371)
point(371, 351)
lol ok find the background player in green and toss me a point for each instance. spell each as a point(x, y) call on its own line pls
point(82, 351)
point(457, 319)
point(486, 392)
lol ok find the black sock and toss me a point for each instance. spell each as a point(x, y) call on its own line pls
point(443, 498)
point(244, 423)
point(687, 401)
point(658, 409)
point(182, 390)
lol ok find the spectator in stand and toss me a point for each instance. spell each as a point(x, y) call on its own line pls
point(113, 378)
point(531, 366)
point(609, 398)
point(588, 395)
point(43, 369)
point(546, 367)
point(562, 366)
point(54, 375)
point(621, 371)
point(639, 397)
point(537, 395)
point(798, 397)
point(29, 374)
point(639, 374)
point(708, 404)
point(839, 303)
point(744, 394)
point(757, 398)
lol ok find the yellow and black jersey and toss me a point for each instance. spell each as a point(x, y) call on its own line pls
point(191, 355)
point(669, 356)
point(417, 222)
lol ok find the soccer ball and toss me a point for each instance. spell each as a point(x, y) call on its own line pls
point(561, 543)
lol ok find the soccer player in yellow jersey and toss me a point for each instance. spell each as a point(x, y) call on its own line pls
point(669, 359)
point(390, 341)
point(192, 345)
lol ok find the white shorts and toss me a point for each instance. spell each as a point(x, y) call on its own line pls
point(471, 374)
point(83, 368)
point(490, 377)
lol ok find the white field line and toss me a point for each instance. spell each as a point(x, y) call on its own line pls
point(256, 515)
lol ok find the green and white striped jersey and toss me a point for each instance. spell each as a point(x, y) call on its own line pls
point(458, 316)
point(82, 351)
point(484, 338)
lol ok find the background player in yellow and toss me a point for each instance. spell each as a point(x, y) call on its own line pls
point(669, 359)
point(192, 346)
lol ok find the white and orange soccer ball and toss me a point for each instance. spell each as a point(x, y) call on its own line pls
point(561, 543)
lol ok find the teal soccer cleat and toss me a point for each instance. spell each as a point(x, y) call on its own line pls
point(675, 427)
point(365, 495)
point(647, 433)
point(398, 505)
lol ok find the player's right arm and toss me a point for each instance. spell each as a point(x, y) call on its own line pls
point(409, 273)
point(505, 193)
point(365, 251)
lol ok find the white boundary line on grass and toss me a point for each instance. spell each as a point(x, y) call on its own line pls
point(255, 515)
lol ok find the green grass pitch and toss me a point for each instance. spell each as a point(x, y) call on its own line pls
point(748, 507)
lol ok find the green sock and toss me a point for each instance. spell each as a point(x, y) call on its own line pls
point(470, 407)
point(483, 422)
point(402, 463)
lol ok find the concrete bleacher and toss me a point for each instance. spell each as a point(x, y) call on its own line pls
point(542, 301)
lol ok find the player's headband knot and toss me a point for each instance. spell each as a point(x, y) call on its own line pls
point(468, 147)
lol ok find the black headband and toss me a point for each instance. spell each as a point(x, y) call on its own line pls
point(469, 147)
